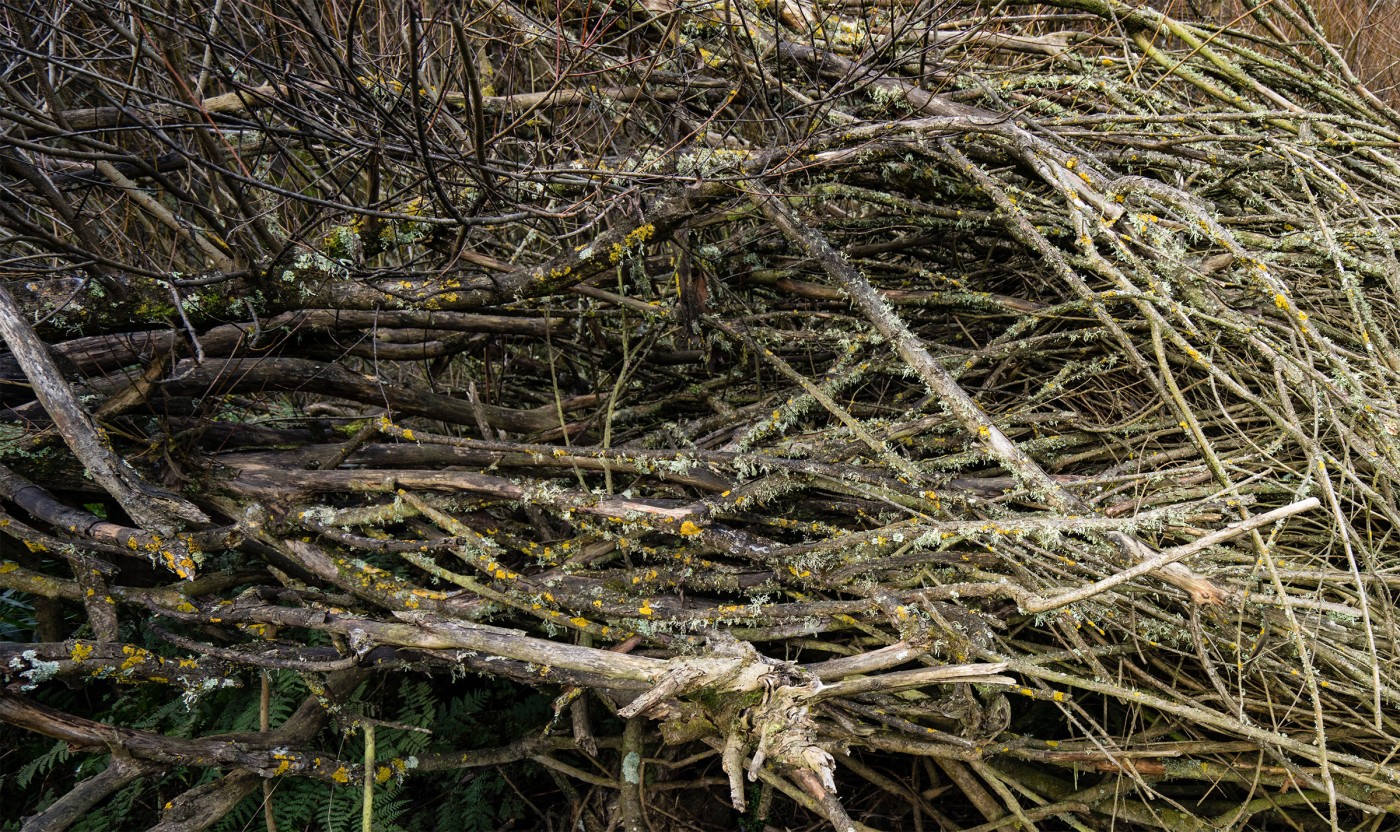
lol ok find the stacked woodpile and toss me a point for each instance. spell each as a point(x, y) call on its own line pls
point(860, 414)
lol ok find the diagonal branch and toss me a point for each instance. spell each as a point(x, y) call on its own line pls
point(152, 509)
point(941, 382)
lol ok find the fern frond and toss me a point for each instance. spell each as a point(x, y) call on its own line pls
point(42, 764)
point(113, 813)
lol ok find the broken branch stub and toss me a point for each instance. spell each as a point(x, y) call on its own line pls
point(154, 509)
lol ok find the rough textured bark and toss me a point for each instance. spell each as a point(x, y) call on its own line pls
point(775, 414)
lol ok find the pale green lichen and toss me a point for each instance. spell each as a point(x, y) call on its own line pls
point(38, 670)
point(632, 768)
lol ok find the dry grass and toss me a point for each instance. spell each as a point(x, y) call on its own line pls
point(1367, 32)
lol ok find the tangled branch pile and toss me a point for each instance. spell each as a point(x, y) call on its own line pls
point(953, 414)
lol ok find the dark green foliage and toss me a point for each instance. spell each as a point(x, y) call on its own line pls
point(479, 805)
point(16, 615)
point(41, 765)
point(116, 813)
point(462, 714)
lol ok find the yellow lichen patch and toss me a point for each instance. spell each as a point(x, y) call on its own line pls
point(382, 774)
point(81, 651)
point(134, 657)
point(179, 563)
point(645, 608)
point(635, 237)
point(340, 775)
point(500, 573)
point(8, 566)
point(689, 529)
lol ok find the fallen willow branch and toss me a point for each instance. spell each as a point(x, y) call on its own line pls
point(1176, 553)
point(777, 414)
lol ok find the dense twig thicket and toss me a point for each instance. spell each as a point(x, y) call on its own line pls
point(852, 413)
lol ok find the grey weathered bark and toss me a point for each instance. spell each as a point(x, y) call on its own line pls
point(154, 509)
